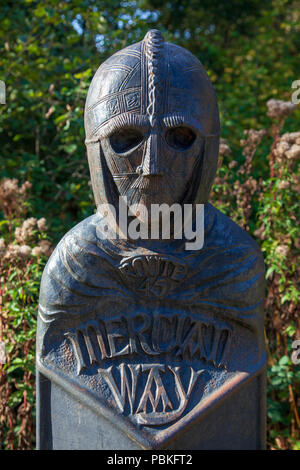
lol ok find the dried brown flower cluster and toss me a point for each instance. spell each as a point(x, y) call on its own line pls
point(282, 250)
point(19, 252)
point(244, 192)
point(245, 187)
point(224, 149)
point(26, 242)
point(28, 229)
point(287, 148)
point(16, 253)
point(6, 412)
point(241, 193)
point(23, 239)
point(278, 109)
point(2, 246)
point(250, 145)
point(12, 197)
point(232, 164)
point(44, 248)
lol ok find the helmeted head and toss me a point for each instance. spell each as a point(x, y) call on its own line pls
point(152, 126)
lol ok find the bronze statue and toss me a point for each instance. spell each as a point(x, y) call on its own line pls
point(148, 338)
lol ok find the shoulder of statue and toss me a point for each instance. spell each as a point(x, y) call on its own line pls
point(234, 251)
point(224, 232)
point(86, 230)
point(78, 272)
point(231, 271)
point(81, 238)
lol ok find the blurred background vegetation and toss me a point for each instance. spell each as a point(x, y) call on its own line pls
point(49, 52)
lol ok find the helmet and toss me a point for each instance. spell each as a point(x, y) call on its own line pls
point(152, 126)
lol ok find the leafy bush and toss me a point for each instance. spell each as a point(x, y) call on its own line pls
point(49, 53)
point(24, 247)
point(269, 209)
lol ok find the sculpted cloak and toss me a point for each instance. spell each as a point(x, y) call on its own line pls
point(145, 333)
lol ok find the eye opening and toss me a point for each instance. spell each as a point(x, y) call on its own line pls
point(180, 137)
point(125, 139)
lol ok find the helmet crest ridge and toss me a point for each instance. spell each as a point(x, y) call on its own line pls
point(154, 51)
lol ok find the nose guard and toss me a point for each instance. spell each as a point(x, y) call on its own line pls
point(151, 165)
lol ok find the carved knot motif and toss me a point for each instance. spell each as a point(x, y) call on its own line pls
point(154, 49)
point(152, 275)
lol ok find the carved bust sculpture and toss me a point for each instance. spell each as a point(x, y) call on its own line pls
point(149, 334)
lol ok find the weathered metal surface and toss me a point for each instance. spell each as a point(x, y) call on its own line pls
point(143, 343)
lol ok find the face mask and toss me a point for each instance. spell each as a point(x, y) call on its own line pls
point(152, 126)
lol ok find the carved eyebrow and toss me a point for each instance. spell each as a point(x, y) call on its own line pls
point(142, 121)
point(173, 120)
point(121, 121)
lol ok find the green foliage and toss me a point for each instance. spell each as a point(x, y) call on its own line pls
point(49, 53)
point(23, 250)
point(284, 380)
point(19, 327)
point(269, 209)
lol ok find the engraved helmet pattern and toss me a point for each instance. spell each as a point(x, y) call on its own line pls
point(148, 85)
